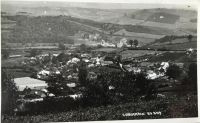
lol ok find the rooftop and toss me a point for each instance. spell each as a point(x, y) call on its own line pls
point(32, 83)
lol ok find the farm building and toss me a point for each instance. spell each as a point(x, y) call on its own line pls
point(106, 44)
point(43, 74)
point(31, 83)
point(15, 56)
point(123, 42)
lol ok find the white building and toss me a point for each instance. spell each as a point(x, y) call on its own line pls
point(106, 44)
point(123, 42)
point(43, 74)
point(31, 83)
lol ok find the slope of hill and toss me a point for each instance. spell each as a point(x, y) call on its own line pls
point(42, 29)
point(178, 43)
point(141, 35)
point(52, 23)
point(162, 17)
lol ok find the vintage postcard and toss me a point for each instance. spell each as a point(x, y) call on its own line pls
point(73, 61)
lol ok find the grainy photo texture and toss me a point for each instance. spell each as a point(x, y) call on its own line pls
point(65, 61)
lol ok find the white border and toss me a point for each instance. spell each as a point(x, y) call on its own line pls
point(194, 3)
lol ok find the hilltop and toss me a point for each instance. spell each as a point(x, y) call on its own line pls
point(61, 24)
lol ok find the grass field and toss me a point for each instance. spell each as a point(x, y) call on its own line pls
point(138, 53)
point(178, 46)
point(172, 107)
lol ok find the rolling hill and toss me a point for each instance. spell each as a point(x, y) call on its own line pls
point(177, 43)
point(41, 29)
point(49, 23)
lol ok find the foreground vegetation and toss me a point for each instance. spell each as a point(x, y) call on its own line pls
point(172, 107)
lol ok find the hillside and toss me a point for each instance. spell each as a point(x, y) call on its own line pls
point(21, 28)
point(24, 28)
point(177, 43)
point(131, 16)
point(49, 23)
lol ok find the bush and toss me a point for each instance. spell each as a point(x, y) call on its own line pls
point(9, 93)
point(62, 57)
point(62, 46)
point(117, 87)
point(99, 46)
point(95, 94)
point(34, 52)
point(173, 71)
point(82, 73)
point(57, 85)
point(192, 73)
point(191, 79)
point(49, 104)
point(5, 53)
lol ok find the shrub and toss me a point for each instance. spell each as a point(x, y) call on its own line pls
point(34, 52)
point(61, 46)
point(126, 86)
point(9, 93)
point(57, 86)
point(49, 104)
point(192, 73)
point(62, 57)
point(173, 71)
point(5, 53)
point(95, 94)
point(82, 73)
point(191, 79)
point(99, 46)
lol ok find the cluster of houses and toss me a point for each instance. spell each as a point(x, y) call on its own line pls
point(35, 89)
point(95, 39)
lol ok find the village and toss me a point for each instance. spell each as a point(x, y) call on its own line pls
point(66, 65)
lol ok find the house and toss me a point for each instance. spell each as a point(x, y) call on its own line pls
point(73, 60)
point(43, 74)
point(15, 56)
point(164, 66)
point(123, 42)
point(106, 44)
point(71, 85)
point(27, 82)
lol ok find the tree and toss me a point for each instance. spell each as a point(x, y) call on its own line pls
point(83, 48)
point(62, 57)
point(54, 60)
point(82, 74)
point(46, 59)
point(190, 38)
point(5, 53)
point(34, 52)
point(173, 71)
point(131, 43)
point(135, 42)
point(57, 85)
point(171, 38)
point(192, 74)
point(99, 46)
point(62, 46)
point(9, 93)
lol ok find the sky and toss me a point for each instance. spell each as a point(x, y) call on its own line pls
point(108, 4)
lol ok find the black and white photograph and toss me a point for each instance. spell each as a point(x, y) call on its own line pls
point(65, 61)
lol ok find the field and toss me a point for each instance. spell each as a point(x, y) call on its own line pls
point(178, 46)
point(173, 107)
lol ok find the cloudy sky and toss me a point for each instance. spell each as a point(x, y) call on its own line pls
point(108, 4)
